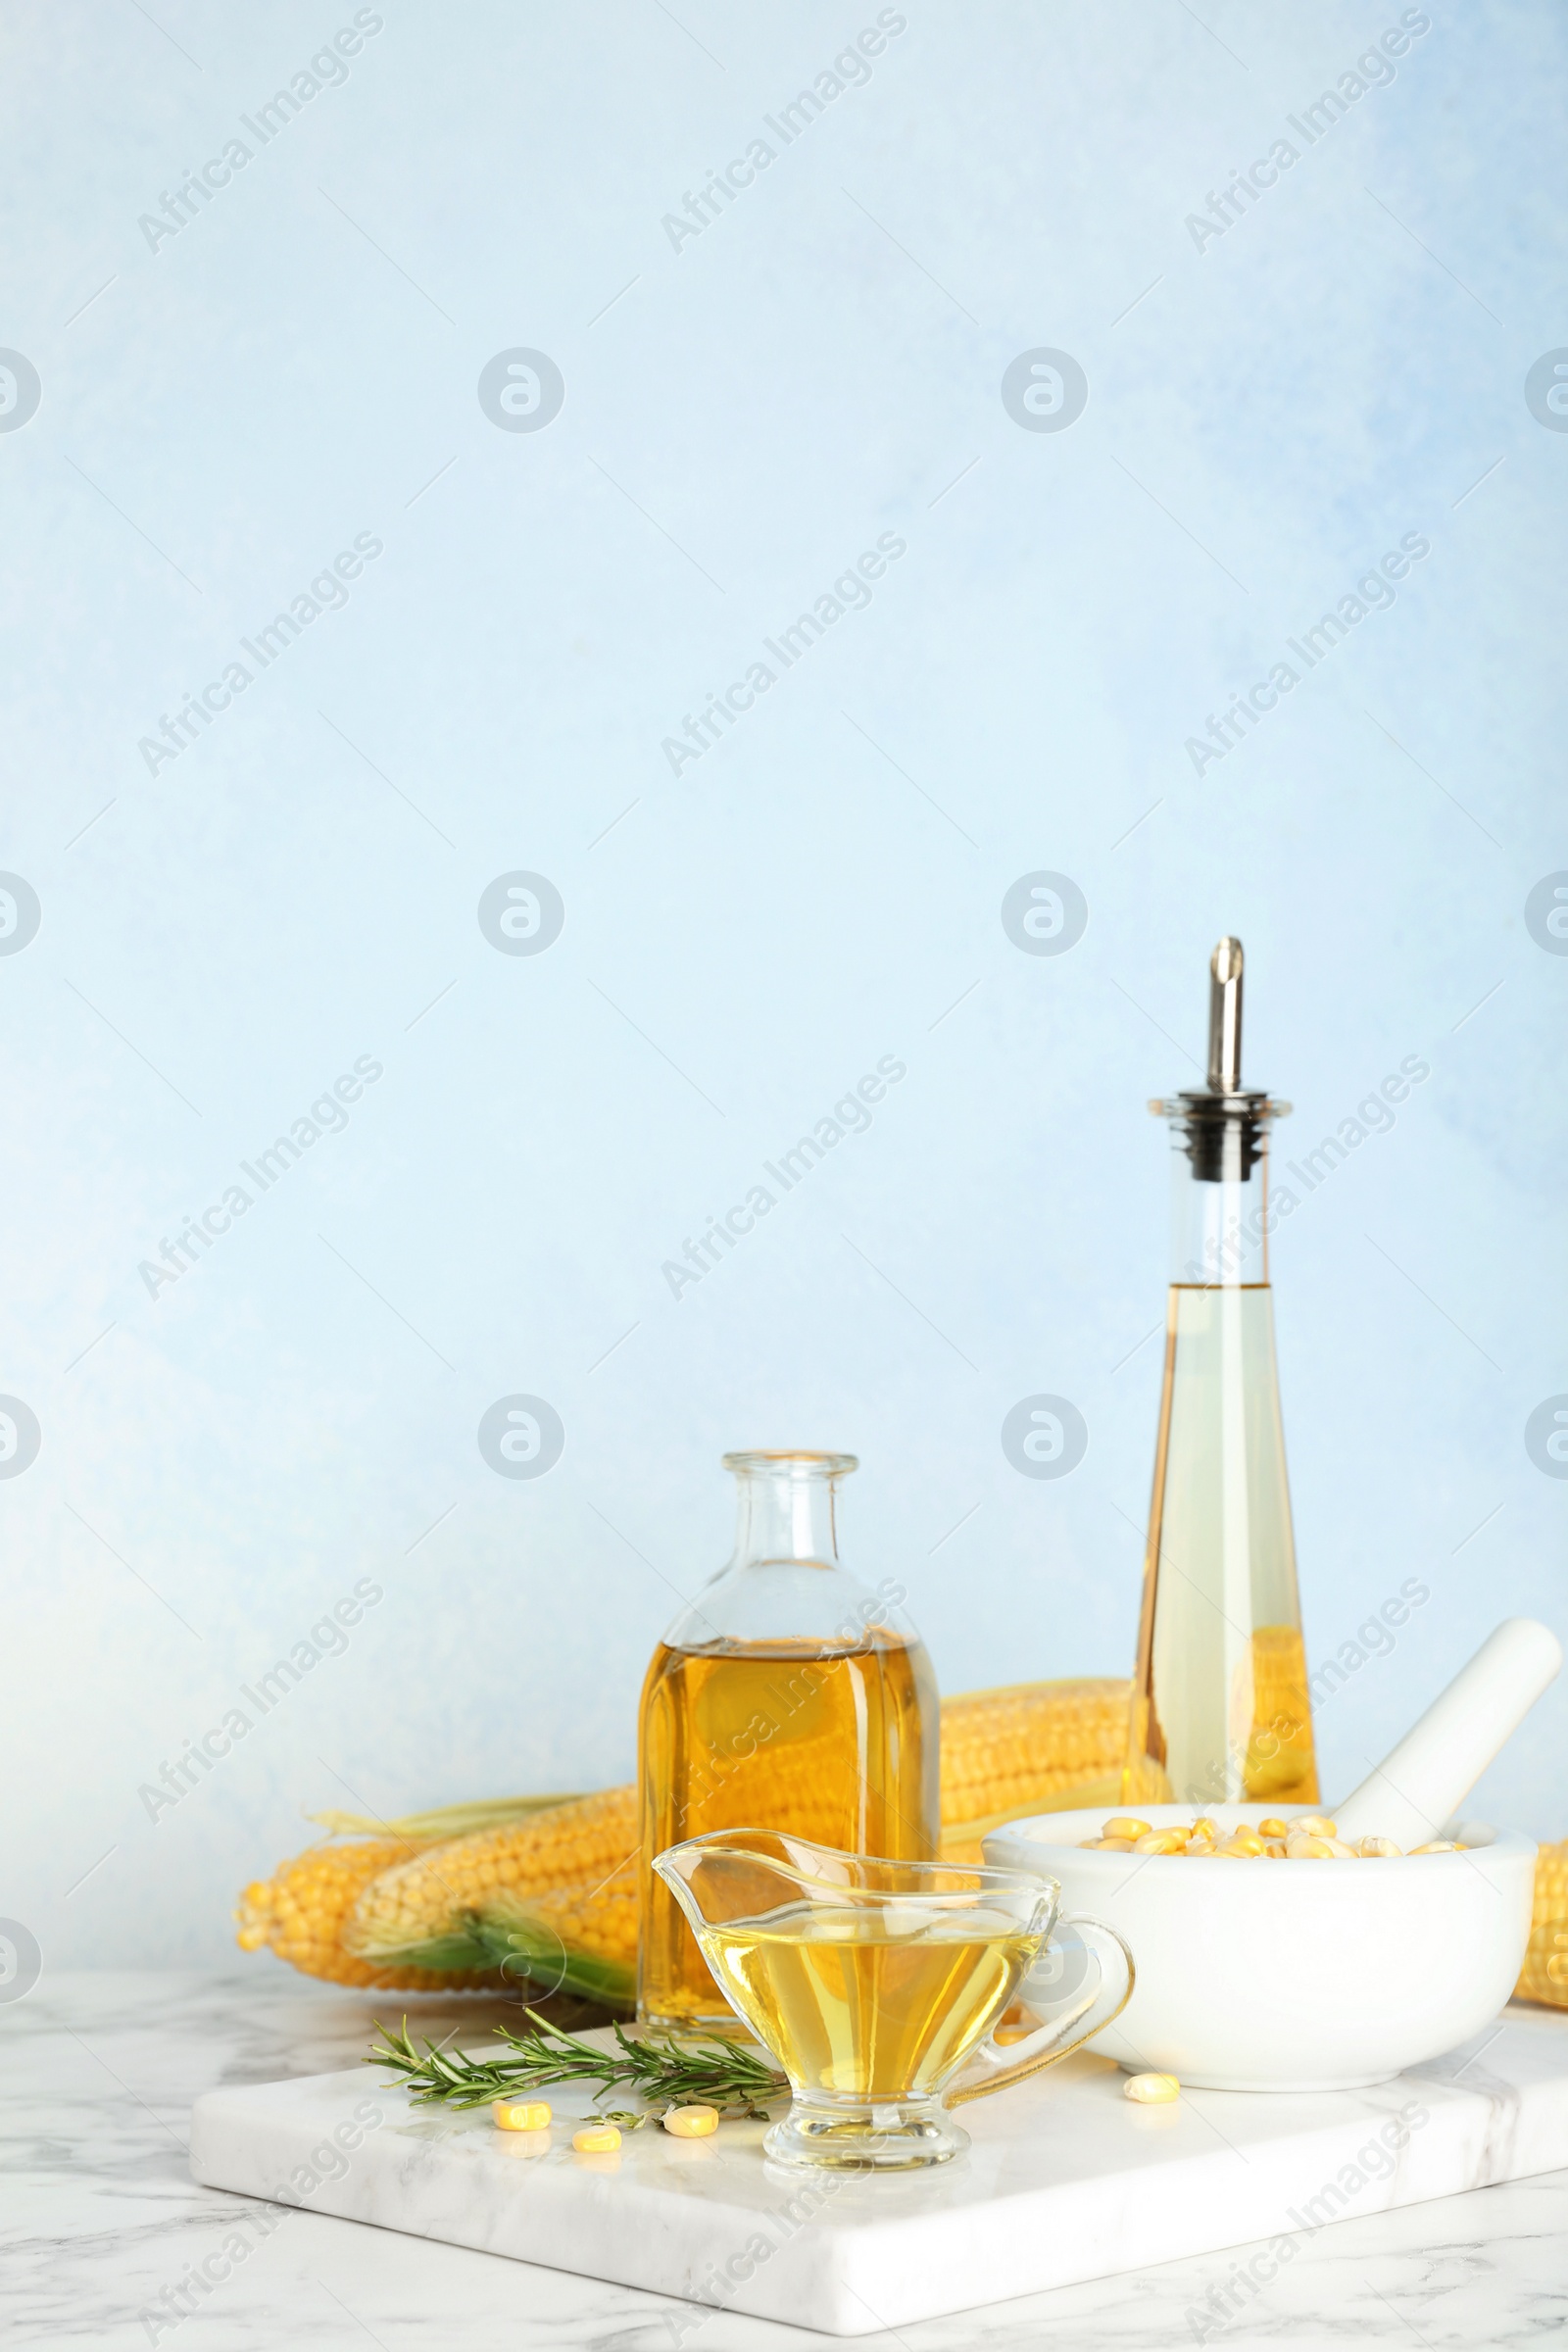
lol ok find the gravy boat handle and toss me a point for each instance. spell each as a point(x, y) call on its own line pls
point(1071, 2015)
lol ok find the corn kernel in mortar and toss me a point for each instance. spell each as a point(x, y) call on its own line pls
point(1311, 1838)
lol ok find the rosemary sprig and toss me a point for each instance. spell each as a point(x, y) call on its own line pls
point(662, 2071)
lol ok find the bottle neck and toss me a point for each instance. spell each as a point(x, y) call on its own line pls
point(1221, 1218)
point(785, 1514)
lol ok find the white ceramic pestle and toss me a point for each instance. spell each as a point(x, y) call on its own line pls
point(1420, 1785)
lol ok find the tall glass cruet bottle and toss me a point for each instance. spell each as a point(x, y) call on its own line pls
point(788, 1696)
point(1220, 1707)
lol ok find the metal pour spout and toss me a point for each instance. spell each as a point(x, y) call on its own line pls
point(1225, 1017)
point(1209, 1119)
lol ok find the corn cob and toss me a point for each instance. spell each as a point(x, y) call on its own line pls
point(552, 1902)
point(1029, 1747)
point(458, 1905)
point(299, 1912)
point(1544, 1974)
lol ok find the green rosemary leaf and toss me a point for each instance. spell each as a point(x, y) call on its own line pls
point(661, 2070)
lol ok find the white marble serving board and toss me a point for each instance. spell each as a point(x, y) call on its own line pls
point(1067, 2181)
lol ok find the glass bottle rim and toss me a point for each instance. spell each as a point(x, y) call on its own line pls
point(799, 1462)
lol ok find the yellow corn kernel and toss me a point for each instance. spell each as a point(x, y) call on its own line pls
point(1124, 1826)
point(596, 2139)
point(1198, 1845)
point(1272, 1828)
point(1160, 1841)
point(1375, 1848)
point(1299, 1848)
point(1311, 1825)
point(1438, 1846)
point(1275, 1849)
point(1151, 2091)
point(520, 2114)
point(1242, 1841)
point(691, 2123)
point(1205, 1828)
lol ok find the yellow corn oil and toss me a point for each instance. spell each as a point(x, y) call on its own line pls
point(876, 2005)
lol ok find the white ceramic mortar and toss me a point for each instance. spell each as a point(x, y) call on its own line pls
point(1292, 1976)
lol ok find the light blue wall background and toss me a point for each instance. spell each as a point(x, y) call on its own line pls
point(221, 417)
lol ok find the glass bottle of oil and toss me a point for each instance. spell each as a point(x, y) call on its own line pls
point(1220, 1706)
point(787, 1697)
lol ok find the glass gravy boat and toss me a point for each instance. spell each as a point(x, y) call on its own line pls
point(876, 1985)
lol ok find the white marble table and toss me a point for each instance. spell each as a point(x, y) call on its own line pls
point(100, 2217)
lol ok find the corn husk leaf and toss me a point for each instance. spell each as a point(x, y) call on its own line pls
point(503, 1935)
point(447, 1821)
